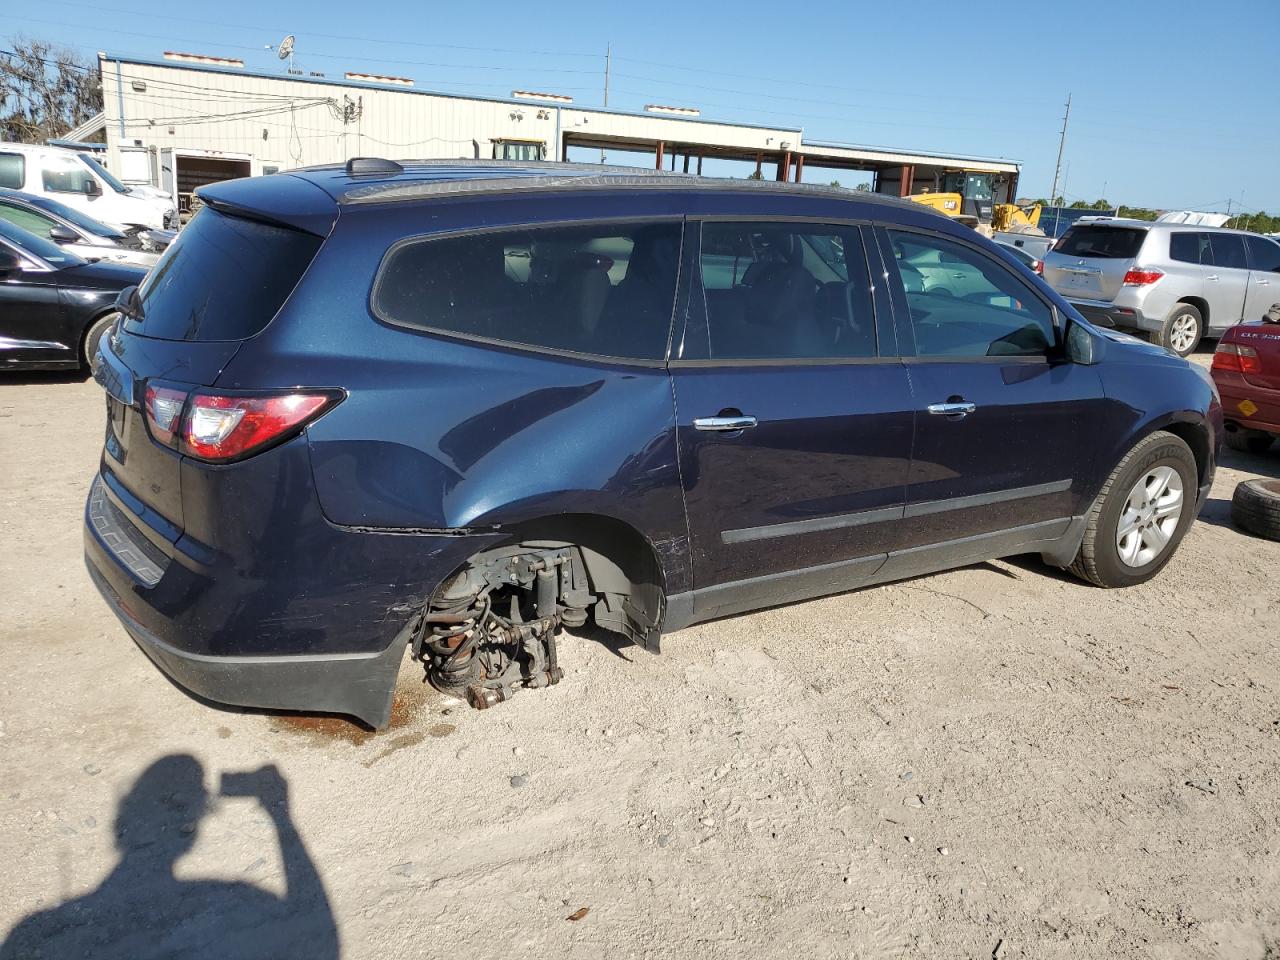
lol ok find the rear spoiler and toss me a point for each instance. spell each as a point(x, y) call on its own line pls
point(280, 199)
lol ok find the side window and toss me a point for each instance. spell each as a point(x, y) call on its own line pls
point(12, 170)
point(1228, 251)
point(784, 291)
point(27, 219)
point(604, 289)
point(65, 175)
point(1189, 247)
point(964, 304)
point(1264, 254)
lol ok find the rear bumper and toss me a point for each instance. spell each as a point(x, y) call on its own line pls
point(1103, 314)
point(1261, 405)
point(357, 684)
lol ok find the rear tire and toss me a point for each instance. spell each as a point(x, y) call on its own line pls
point(1182, 330)
point(1255, 507)
point(93, 338)
point(1128, 537)
point(1249, 441)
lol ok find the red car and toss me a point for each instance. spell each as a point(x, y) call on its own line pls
point(1246, 368)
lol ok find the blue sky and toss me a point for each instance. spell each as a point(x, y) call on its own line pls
point(1173, 103)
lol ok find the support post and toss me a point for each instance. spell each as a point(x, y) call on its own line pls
point(686, 161)
point(784, 166)
point(799, 166)
point(658, 155)
point(699, 164)
point(904, 185)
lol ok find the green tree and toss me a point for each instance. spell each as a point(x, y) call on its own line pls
point(45, 90)
point(755, 175)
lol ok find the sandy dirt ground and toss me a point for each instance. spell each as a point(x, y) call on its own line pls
point(995, 762)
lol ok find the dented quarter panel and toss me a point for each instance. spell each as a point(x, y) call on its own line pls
point(455, 434)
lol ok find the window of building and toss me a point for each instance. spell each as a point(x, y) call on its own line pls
point(605, 289)
point(964, 303)
point(12, 170)
point(784, 291)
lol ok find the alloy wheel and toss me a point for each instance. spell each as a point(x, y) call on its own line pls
point(1182, 332)
point(1150, 517)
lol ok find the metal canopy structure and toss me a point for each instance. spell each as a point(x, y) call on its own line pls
point(290, 120)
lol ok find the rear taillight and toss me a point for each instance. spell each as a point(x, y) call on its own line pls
point(1234, 357)
point(1140, 278)
point(164, 412)
point(224, 427)
point(1038, 266)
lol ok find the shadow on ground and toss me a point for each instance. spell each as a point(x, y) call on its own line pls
point(142, 910)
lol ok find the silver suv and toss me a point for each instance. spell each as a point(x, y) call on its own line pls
point(1175, 281)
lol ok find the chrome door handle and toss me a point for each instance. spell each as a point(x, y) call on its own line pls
point(724, 424)
point(1212, 277)
point(957, 410)
point(1263, 280)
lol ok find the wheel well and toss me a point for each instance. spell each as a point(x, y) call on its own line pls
point(621, 564)
point(84, 334)
point(1197, 438)
point(1201, 305)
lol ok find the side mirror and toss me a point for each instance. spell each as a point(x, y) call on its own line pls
point(92, 188)
point(10, 262)
point(127, 302)
point(1081, 346)
point(61, 233)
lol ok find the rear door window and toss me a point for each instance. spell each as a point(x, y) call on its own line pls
point(1264, 254)
point(223, 278)
point(1189, 247)
point(783, 291)
point(1228, 251)
point(605, 289)
point(12, 170)
point(1102, 243)
point(962, 303)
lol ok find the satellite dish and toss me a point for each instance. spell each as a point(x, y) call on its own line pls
point(285, 50)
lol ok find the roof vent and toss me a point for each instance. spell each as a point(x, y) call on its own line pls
point(369, 166)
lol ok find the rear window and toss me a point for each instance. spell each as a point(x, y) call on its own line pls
point(1102, 243)
point(1189, 248)
point(223, 278)
point(605, 289)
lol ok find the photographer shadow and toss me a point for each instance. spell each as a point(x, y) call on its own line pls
point(142, 910)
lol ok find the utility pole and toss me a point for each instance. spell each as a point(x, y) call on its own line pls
point(1062, 140)
point(608, 62)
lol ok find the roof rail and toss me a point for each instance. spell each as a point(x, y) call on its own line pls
point(365, 166)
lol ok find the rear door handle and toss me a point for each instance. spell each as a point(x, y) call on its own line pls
point(1213, 277)
point(1263, 280)
point(724, 424)
point(957, 409)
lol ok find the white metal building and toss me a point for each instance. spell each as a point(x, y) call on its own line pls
point(190, 119)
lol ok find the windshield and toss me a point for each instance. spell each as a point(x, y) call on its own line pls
point(104, 173)
point(46, 250)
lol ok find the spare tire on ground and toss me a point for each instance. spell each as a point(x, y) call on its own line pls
point(1255, 507)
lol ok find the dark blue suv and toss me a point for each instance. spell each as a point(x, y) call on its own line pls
point(454, 408)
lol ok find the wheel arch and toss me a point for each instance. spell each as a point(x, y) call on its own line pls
point(1201, 304)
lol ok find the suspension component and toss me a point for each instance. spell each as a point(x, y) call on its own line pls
point(492, 627)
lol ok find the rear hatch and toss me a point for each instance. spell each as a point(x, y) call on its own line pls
point(218, 284)
point(1264, 338)
point(1091, 259)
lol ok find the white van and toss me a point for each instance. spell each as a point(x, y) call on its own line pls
point(79, 181)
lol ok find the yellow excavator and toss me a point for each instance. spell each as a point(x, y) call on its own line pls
point(966, 196)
